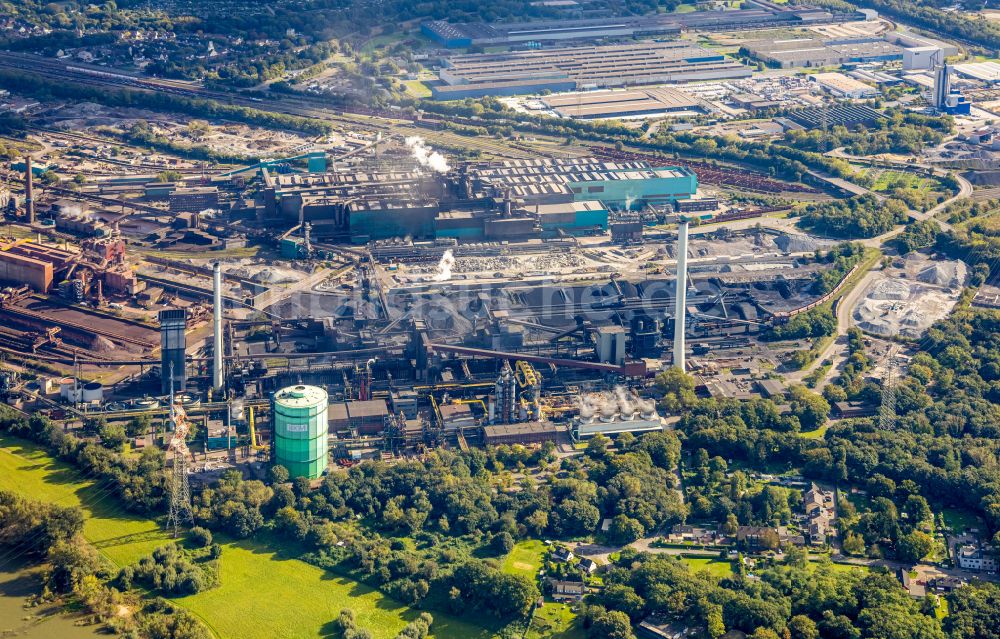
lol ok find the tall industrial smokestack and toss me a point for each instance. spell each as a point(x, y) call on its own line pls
point(681, 308)
point(217, 326)
point(29, 190)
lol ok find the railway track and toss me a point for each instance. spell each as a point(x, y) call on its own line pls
point(358, 118)
point(45, 319)
point(981, 195)
point(96, 139)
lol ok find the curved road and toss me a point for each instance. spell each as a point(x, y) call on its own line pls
point(837, 349)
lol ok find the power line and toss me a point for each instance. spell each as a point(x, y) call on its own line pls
point(887, 410)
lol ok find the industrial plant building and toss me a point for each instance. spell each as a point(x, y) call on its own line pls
point(592, 105)
point(807, 52)
point(515, 199)
point(921, 58)
point(843, 86)
point(911, 40)
point(756, 15)
point(583, 67)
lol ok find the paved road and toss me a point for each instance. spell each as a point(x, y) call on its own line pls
point(602, 553)
point(837, 349)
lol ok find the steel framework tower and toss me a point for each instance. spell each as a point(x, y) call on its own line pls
point(180, 488)
point(887, 410)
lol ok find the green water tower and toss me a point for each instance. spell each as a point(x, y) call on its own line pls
point(300, 430)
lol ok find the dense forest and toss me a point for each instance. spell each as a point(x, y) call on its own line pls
point(900, 132)
point(862, 216)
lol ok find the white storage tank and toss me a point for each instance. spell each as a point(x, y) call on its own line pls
point(69, 389)
point(146, 403)
point(93, 392)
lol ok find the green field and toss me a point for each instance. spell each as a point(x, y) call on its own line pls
point(835, 567)
point(122, 537)
point(262, 594)
point(819, 433)
point(417, 88)
point(554, 621)
point(888, 178)
point(714, 567)
point(525, 559)
point(685, 8)
point(959, 520)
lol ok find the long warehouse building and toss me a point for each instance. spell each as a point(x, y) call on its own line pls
point(753, 15)
point(811, 53)
point(591, 105)
point(582, 68)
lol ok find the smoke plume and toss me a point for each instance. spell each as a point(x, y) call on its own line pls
point(426, 156)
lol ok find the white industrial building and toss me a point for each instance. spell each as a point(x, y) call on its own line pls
point(615, 413)
point(919, 58)
point(843, 86)
point(988, 72)
point(912, 40)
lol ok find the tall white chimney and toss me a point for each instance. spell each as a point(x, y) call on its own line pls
point(217, 326)
point(680, 309)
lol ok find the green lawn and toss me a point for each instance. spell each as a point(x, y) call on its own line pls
point(381, 41)
point(685, 8)
point(888, 178)
point(942, 608)
point(554, 621)
point(417, 89)
point(122, 537)
point(715, 567)
point(959, 520)
point(847, 568)
point(525, 559)
point(262, 594)
point(819, 433)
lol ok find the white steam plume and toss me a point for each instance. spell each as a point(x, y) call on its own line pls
point(426, 156)
point(444, 267)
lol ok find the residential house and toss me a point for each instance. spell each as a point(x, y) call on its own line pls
point(944, 584)
point(976, 559)
point(588, 566)
point(820, 513)
point(562, 589)
point(562, 554)
point(657, 628)
point(761, 537)
point(695, 534)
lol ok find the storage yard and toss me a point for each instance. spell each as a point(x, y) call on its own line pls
point(906, 300)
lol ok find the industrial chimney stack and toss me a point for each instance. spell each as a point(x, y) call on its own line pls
point(29, 190)
point(680, 309)
point(217, 327)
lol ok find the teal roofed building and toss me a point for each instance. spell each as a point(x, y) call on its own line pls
point(617, 184)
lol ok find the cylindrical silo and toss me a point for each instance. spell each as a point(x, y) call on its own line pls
point(93, 392)
point(300, 430)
